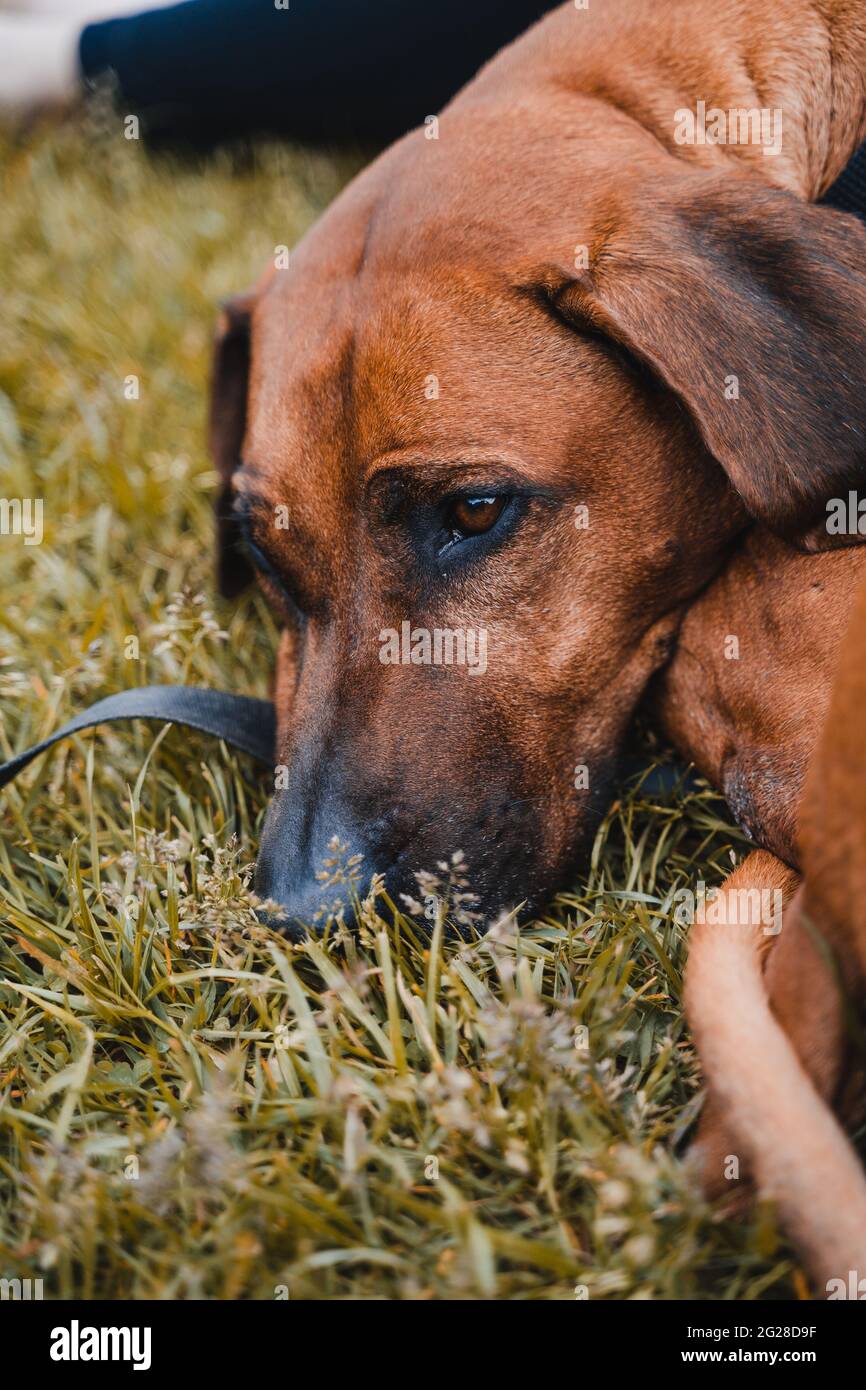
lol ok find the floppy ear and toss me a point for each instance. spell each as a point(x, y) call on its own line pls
point(751, 306)
point(228, 419)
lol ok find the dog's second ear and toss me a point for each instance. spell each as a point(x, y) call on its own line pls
point(227, 425)
point(751, 307)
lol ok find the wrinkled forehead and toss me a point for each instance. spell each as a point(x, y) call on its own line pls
point(448, 364)
point(400, 322)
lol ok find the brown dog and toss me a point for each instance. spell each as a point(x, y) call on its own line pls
point(779, 1048)
point(552, 313)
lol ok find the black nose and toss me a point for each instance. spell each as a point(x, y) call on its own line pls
point(293, 916)
point(288, 880)
point(303, 845)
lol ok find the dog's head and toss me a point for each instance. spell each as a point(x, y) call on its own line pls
point(482, 441)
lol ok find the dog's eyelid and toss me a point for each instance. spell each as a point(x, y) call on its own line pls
point(464, 471)
point(397, 498)
point(272, 578)
point(249, 510)
point(269, 570)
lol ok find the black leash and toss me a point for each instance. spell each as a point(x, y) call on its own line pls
point(250, 724)
point(240, 720)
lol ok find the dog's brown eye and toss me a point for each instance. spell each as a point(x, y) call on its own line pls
point(472, 516)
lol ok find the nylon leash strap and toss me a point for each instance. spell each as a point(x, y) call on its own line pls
point(240, 720)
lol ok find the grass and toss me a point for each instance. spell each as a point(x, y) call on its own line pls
point(190, 1106)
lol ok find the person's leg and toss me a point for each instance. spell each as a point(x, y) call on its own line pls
point(39, 64)
point(82, 11)
point(318, 69)
point(39, 48)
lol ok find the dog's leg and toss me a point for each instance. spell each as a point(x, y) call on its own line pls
point(761, 1095)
